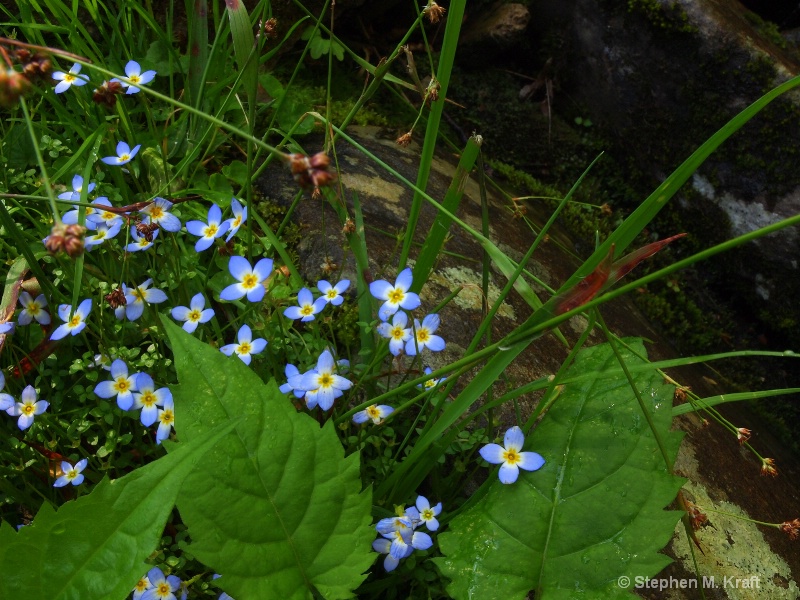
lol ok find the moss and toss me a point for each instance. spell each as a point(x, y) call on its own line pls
point(767, 29)
point(665, 16)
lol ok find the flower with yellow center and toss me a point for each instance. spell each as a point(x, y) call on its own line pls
point(194, 314)
point(251, 279)
point(73, 322)
point(166, 421)
point(239, 217)
point(28, 408)
point(209, 231)
point(306, 307)
point(510, 457)
point(136, 298)
point(71, 474)
point(148, 398)
point(162, 587)
point(322, 385)
point(424, 336)
point(395, 296)
point(141, 587)
point(122, 385)
point(33, 309)
point(124, 154)
point(246, 346)
point(398, 332)
point(67, 80)
point(377, 413)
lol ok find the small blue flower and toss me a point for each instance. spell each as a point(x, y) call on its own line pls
point(28, 408)
point(239, 217)
point(148, 398)
point(33, 309)
point(246, 346)
point(210, 231)
point(510, 456)
point(122, 385)
point(67, 80)
point(307, 306)
point(194, 314)
point(424, 337)
point(291, 371)
point(166, 421)
point(7, 328)
point(136, 298)
point(77, 188)
point(158, 212)
point(423, 512)
point(124, 154)
point(134, 73)
point(375, 412)
point(164, 588)
point(140, 242)
point(333, 294)
point(102, 233)
point(322, 385)
point(100, 215)
point(6, 400)
point(251, 279)
point(432, 382)
point(71, 474)
point(395, 296)
point(73, 323)
point(397, 332)
point(141, 587)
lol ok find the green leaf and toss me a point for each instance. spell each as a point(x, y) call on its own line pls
point(277, 508)
point(592, 514)
point(236, 171)
point(95, 547)
point(220, 190)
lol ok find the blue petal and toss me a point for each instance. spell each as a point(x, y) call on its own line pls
point(531, 461)
point(492, 453)
point(508, 473)
point(239, 267)
point(404, 279)
point(514, 439)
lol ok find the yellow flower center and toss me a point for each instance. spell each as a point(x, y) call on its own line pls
point(75, 321)
point(140, 293)
point(373, 412)
point(167, 417)
point(107, 216)
point(69, 78)
point(211, 231)
point(306, 310)
point(134, 78)
point(34, 308)
point(236, 222)
point(325, 380)
point(427, 514)
point(122, 385)
point(244, 348)
point(430, 383)
point(331, 294)
point(398, 332)
point(72, 474)
point(148, 399)
point(124, 157)
point(155, 212)
point(396, 296)
point(28, 409)
point(423, 335)
point(142, 584)
point(164, 590)
point(250, 281)
point(512, 457)
point(195, 315)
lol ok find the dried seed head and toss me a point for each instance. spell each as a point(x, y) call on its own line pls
point(742, 435)
point(404, 140)
point(270, 28)
point(432, 94)
point(696, 515)
point(35, 66)
point(768, 467)
point(791, 528)
point(605, 209)
point(311, 171)
point(328, 266)
point(434, 12)
point(12, 85)
point(107, 93)
point(65, 238)
point(116, 298)
point(349, 226)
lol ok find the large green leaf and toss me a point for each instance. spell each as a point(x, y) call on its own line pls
point(95, 547)
point(276, 508)
point(592, 514)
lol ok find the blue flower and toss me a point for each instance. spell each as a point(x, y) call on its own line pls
point(166, 421)
point(210, 231)
point(291, 371)
point(28, 408)
point(136, 298)
point(194, 314)
point(73, 323)
point(375, 412)
point(67, 80)
point(424, 337)
point(141, 587)
point(395, 296)
point(164, 588)
point(397, 332)
point(510, 456)
point(423, 512)
point(77, 188)
point(148, 398)
point(7, 328)
point(384, 546)
point(239, 217)
point(102, 233)
point(124, 154)
point(158, 212)
point(246, 346)
point(432, 382)
point(322, 385)
point(251, 279)
point(104, 216)
point(134, 73)
point(33, 309)
point(122, 385)
point(6, 400)
point(71, 474)
point(140, 242)
point(333, 294)
point(307, 307)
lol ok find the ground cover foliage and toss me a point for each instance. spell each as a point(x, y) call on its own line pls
point(183, 419)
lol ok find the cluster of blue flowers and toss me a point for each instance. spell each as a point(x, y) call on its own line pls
point(319, 386)
point(399, 535)
point(26, 409)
